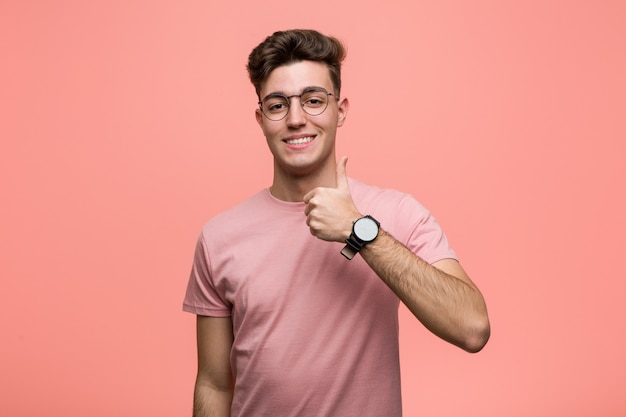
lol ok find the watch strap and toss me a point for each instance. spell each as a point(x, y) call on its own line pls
point(348, 252)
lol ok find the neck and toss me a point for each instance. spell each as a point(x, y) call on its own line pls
point(293, 187)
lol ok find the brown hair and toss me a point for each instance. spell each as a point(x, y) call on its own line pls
point(291, 46)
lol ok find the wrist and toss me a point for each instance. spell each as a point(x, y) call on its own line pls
point(364, 231)
point(349, 226)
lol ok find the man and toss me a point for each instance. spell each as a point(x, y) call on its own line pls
point(286, 325)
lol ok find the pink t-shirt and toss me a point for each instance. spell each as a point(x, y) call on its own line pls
point(315, 334)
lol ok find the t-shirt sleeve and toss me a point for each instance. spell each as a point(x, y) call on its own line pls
point(202, 296)
point(425, 236)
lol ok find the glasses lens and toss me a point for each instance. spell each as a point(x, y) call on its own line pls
point(275, 107)
point(314, 102)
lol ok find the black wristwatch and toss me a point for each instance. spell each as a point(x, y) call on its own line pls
point(364, 231)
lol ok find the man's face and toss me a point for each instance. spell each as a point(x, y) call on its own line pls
point(300, 143)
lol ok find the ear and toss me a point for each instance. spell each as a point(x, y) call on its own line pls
point(342, 110)
point(259, 117)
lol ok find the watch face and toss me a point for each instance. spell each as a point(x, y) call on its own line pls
point(366, 229)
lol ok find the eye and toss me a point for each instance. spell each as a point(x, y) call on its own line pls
point(275, 105)
point(314, 99)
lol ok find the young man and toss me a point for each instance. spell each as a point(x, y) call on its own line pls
point(286, 325)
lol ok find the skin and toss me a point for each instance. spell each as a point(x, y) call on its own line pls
point(213, 392)
point(440, 295)
point(299, 169)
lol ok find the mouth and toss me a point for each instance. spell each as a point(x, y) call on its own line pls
point(299, 141)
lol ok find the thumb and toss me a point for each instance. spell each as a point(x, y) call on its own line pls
point(342, 178)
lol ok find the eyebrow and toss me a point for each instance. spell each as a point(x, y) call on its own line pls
point(283, 94)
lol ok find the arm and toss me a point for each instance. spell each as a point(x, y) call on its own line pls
point(440, 295)
point(213, 391)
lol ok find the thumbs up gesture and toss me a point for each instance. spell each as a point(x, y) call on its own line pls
point(331, 211)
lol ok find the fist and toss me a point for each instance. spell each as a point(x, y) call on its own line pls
point(331, 211)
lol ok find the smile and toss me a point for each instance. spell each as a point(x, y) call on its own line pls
point(299, 141)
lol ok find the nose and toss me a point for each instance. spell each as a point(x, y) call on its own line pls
point(296, 115)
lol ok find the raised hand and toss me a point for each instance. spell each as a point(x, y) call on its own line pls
point(331, 211)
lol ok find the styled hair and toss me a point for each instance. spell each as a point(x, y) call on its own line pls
point(291, 46)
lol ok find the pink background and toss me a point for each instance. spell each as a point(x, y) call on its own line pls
point(125, 125)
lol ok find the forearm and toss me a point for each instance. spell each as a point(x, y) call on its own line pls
point(450, 307)
point(209, 401)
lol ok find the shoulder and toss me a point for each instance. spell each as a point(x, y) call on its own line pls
point(259, 215)
point(235, 218)
point(399, 213)
point(385, 199)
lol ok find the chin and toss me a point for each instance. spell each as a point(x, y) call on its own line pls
point(298, 168)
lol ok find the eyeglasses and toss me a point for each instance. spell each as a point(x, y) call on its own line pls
point(314, 100)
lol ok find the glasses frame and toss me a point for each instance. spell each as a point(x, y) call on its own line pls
point(288, 101)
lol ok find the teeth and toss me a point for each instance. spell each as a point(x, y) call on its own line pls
point(300, 141)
